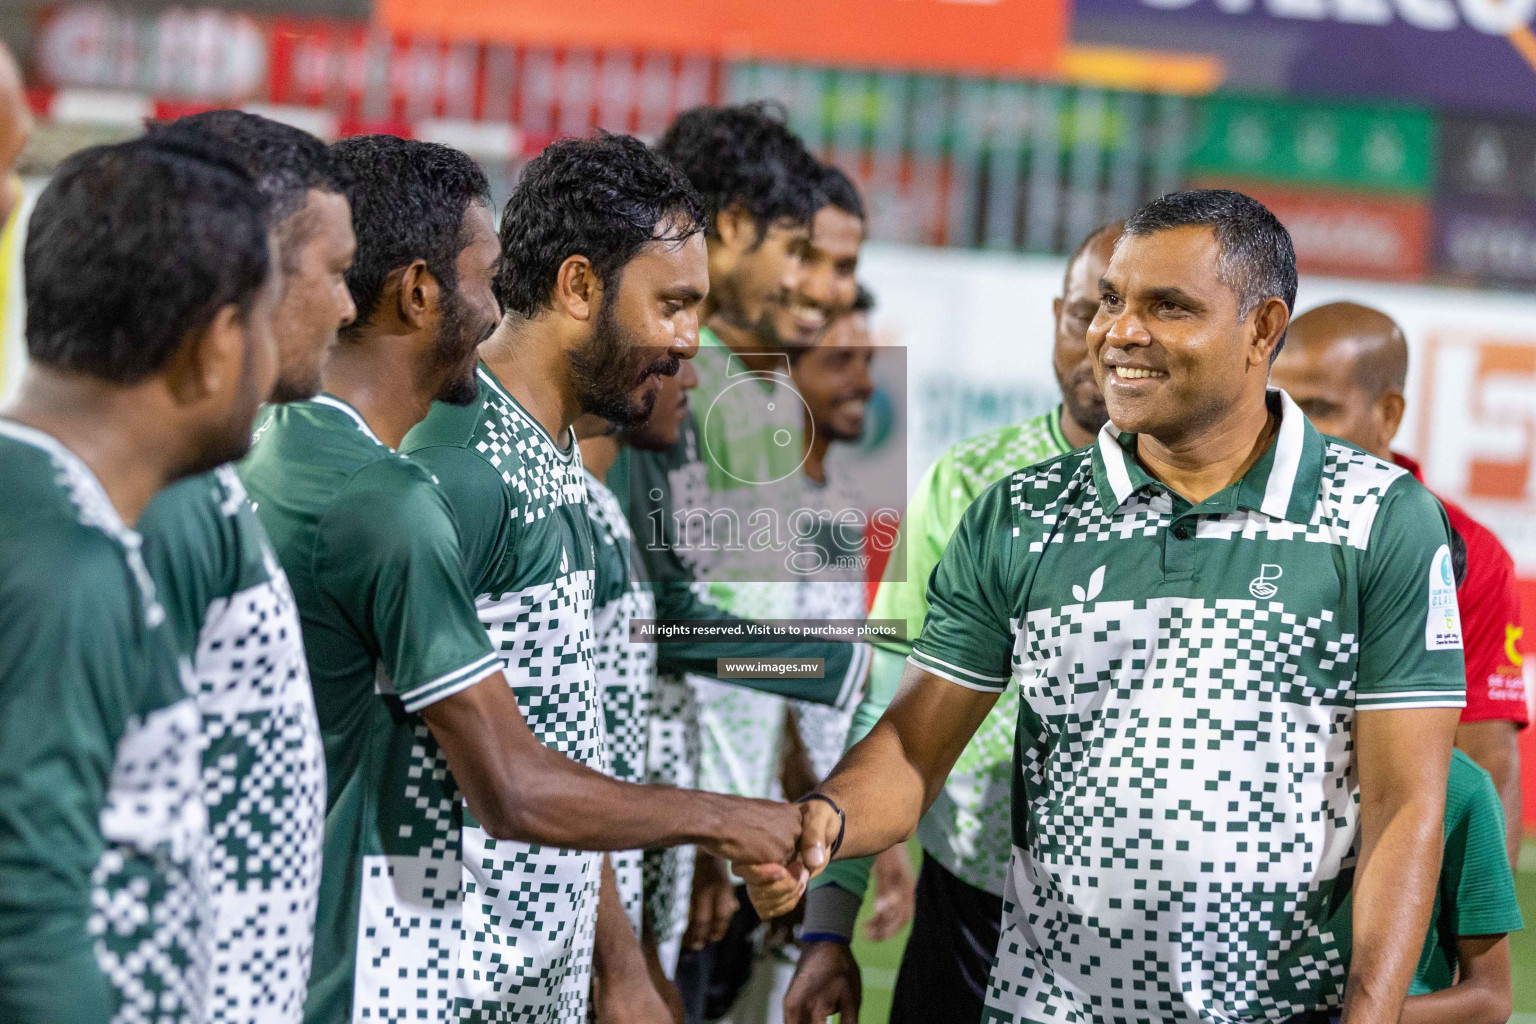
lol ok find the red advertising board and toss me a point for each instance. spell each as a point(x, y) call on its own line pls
point(988, 36)
point(1347, 234)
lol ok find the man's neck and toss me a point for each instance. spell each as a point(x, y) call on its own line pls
point(377, 375)
point(599, 453)
point(1197, 467)
point(529, 360)
point(116, 431)
point(747, 346)
point(817, 443)
point(1077, 435)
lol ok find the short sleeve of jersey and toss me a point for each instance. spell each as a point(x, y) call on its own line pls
point(480, 507)
point(183, 533)
point(1410, 642)
point(388, 553)
point(966, 637)
point(72, 674)
point(1476, 872)
point(902, 594)
point(1490, 621)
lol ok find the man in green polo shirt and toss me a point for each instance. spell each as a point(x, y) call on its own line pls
point(1224, 630)
point(965, 835)
point(151, 284)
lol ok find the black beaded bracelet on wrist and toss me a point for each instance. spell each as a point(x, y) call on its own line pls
point(842, 820)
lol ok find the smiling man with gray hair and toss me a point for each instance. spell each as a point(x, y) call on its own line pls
point(1225, 629)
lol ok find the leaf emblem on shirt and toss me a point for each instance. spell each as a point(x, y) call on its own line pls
point(1095, 586)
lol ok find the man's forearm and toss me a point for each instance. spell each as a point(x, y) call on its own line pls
point(888, 779)
point(519, 789)
point(1393, 896)
point(885, 673)
point(1495, 746)
point(616, 954)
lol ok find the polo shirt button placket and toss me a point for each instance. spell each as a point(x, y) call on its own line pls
point(1178, 550)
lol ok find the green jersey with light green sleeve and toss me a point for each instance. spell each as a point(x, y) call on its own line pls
point(372, 554)
point(966, 829)
point(1185, 801)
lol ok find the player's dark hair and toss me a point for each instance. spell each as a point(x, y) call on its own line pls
point(1256, 259)
point(604, 198)
point(838, 190)
point(285, 162)
point(409, 200)
point(747, 155)
point(133, 248)
point(863, 300)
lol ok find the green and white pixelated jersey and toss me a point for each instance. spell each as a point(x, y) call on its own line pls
point(264, 764)
point(520, 499)
point(1185, 814)
point(103, 888)
point(372, 554)
point(626, 672)
point(967, 827)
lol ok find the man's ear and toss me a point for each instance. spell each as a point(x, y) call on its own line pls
point(1270, 320)
point(736, 228)
point(418, 296)
point(209, 361)
point(578, 292)
point(1388, 413)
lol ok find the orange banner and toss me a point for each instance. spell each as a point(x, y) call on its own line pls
point(989, 36)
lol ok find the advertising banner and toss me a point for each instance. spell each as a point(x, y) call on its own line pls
point(1387, 148)
point(1017, 37)
point(1352, 234)
point(1458, 54)
point(1483, 238)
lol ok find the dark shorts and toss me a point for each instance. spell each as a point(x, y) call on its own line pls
point(944, 970)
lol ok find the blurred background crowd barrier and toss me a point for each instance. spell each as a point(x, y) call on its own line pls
point(1395, 138)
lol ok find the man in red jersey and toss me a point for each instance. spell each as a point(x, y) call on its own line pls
point(1345, 365)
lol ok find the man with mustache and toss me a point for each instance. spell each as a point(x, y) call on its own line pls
point(759, 186)
point(1225, 631)
point(965, 835)
point(602, 277)
point(217, 575)
point(151, 280)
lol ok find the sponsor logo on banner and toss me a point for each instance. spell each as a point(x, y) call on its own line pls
point(1476, 430)
point(1486, 239)
point(1442, 626)
point(1345, 233)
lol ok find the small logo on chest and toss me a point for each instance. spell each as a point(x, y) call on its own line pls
point(1095, 586)
point(1263, 586)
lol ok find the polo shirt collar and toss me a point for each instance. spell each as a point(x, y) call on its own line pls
point(1282, 484)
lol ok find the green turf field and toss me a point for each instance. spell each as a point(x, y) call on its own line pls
point(881, 959)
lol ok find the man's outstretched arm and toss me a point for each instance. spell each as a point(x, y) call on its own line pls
point(1403, 757)
point(518, 788)
point(883, 784)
